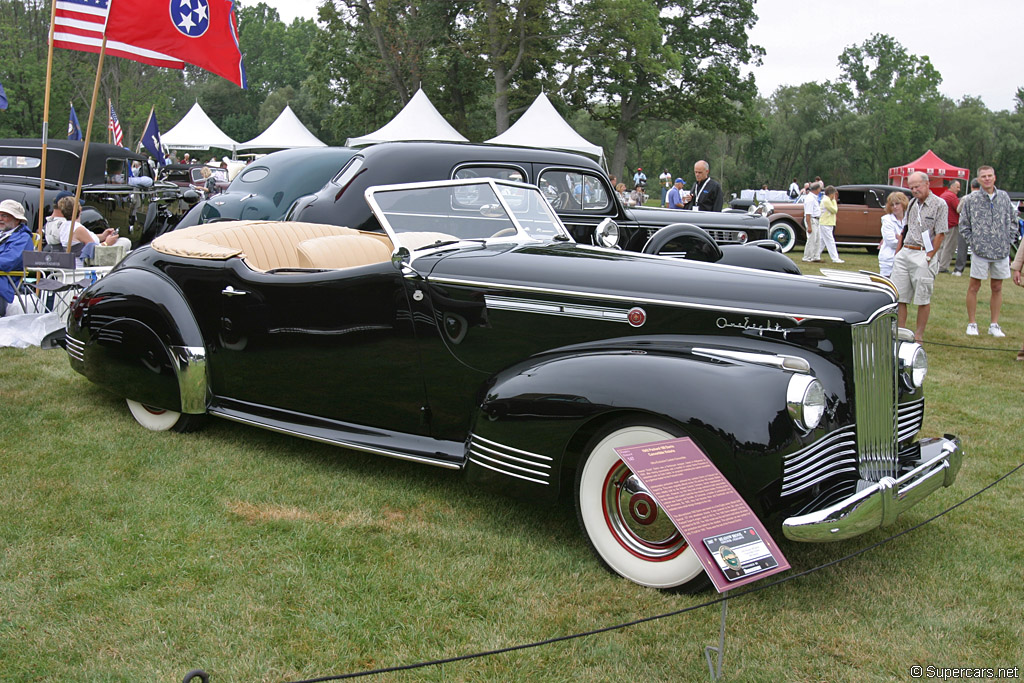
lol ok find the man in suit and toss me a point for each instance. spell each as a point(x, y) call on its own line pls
point(707, 193)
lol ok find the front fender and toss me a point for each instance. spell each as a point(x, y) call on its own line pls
point(133, 334)
point(535, 417)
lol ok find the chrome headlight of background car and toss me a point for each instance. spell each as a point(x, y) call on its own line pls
point(607, 233)
point(805, 399)
point(913, 363)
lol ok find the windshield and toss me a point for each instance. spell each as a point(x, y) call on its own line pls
point(419, 215)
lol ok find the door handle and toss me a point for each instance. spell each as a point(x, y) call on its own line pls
point(231, 291)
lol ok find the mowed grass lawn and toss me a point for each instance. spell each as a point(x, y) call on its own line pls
point(127, 555)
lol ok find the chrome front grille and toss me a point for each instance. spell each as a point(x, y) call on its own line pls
point(832, 456)
point(720, 236)
point(911, 418)
point(875, 368)
point(510, 461)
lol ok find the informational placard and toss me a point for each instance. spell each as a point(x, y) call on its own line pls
point(726, 535)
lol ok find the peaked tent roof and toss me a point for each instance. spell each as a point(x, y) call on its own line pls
point(197, 131)
point(286, 132)
point(418, 120)
point(541, 126)
point(930, 163)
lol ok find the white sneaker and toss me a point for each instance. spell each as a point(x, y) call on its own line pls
point(995, 330)
point(839, 261)
point(972, 329)
point(958, 273)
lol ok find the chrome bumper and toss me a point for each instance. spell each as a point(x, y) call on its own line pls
point(881, 503)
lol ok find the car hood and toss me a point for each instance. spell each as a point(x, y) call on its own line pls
point(626, 278)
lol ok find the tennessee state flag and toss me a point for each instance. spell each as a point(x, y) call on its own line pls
point(199, 32)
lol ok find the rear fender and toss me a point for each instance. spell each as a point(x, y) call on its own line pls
point(133, 333)
point(536, 417)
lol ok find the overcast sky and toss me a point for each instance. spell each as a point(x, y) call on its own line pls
point(977, 46)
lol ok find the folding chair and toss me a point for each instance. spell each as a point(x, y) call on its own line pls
point(59, 281)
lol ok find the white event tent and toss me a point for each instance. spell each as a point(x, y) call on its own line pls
point(542, 127)
point(197, 131)
point(418, 120)
point(286, 132)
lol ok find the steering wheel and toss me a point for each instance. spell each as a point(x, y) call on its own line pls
point(504, 232)
point(561, 201)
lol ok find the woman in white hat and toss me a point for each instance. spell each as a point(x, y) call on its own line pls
point(15, 237)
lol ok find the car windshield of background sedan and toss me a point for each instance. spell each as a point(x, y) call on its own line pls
point(458, 210)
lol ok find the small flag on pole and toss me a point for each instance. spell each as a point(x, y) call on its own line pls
point(151, 139)
point(74, 130)
point(114, 126)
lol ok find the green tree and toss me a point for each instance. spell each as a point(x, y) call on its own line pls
point(897, 94)
point(634, 61)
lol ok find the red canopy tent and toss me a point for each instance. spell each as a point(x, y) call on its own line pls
point(937, 170)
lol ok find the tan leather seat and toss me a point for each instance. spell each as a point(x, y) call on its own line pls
point(342, 251)
point(265, 245)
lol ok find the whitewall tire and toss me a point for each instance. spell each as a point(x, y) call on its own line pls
point(160, 420)
point(625, 527)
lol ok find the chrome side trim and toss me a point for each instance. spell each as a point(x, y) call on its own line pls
point(618, 315)
point(881, 503)
point(781, 361)
point(512, 462)
point(630, 299)
point(190, 367)
point(336, 442)
point(74, 348)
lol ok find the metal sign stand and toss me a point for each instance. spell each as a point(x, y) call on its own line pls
point(715, 667)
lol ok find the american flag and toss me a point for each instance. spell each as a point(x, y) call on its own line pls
point(114, 126)
point(79, 25)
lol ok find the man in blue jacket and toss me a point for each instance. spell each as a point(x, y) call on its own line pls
point(15, 237)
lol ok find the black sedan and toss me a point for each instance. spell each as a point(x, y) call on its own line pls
point(475, 334)
point(578, 189)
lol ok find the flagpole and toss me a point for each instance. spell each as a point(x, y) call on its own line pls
point(46, 122)
point(88, 135)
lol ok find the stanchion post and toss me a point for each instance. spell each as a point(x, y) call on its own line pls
point(715, 667)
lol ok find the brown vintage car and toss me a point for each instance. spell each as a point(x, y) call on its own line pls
point(858, 223)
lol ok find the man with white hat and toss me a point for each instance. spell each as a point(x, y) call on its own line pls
point(15, 237)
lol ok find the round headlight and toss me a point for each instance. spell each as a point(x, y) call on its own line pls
point(805, 399)
point(913, 363)
point(607, 234)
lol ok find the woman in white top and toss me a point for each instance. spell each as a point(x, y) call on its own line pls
point(58, 228)
point(892, 231)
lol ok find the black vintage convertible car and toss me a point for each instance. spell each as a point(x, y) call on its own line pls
point(475, 334)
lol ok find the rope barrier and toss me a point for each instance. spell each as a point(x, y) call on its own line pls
point(970, 348)
point(616, 627)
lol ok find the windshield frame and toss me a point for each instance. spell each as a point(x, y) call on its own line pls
point(522, 234)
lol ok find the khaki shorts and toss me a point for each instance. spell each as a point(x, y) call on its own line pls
point(984, 268)
point(914, 276)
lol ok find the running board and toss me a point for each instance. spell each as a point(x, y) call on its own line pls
point(412, 447)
